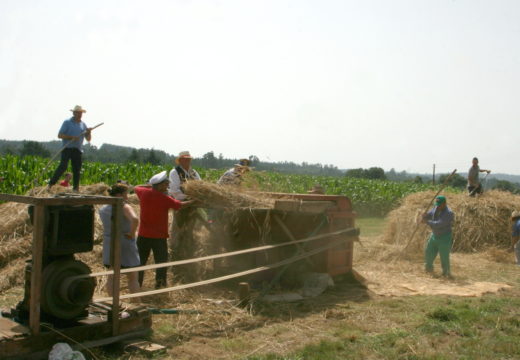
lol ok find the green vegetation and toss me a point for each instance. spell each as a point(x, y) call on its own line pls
point(424, 328)
point(374, 197)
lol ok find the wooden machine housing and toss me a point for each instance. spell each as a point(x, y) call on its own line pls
point(295, 217)
point(19, 341)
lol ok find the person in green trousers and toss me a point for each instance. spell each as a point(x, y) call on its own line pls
point(440, 219)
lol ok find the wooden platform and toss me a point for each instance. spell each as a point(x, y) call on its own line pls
point(16, 342)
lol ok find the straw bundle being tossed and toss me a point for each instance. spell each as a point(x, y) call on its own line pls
point(480, 222)
point(225, 196)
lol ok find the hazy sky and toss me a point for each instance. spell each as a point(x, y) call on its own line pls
point(391, 83)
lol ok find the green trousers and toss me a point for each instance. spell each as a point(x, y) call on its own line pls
point(440, 244)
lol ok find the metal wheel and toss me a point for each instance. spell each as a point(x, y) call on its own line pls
point(63, 297)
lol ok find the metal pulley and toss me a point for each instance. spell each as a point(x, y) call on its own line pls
point(63, 296)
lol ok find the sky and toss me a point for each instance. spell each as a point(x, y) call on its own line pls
point(400, 84)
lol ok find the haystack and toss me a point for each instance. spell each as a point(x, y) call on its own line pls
point(480, 222)
point(226, 196)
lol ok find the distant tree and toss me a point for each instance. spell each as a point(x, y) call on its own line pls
point(355, 173)
point(134, 156)
point(508, 186)
point(418, 180)
point(457, 181)
point(254, 160)
point(209, 160)
point(152, 158)
point(9, 151)
point(34, 148)
point(375, 173)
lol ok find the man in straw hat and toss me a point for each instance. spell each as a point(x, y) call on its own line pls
point(440, 219)
point(183, 220)
point(515, 236)
point(234, 175)
point(153, 224)
point(180, 174)
point(72, 133)
point(474, 185)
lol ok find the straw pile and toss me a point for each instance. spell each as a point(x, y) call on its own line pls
point(211, 195)
point(480, 222)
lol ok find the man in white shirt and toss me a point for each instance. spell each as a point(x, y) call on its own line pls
point(181, 237)
point(234, 175)
point(180, 174)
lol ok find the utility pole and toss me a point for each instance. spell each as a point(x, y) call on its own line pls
point(433, 180)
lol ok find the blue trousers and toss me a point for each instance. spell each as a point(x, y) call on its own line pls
point(438, 244)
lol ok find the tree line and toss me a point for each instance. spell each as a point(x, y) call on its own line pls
point(108, 153)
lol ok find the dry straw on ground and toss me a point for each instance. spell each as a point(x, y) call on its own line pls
point(480, 222)
point(225, 196)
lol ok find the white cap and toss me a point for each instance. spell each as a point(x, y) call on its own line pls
point(158, 178)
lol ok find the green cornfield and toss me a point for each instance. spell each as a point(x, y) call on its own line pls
point(369, 197)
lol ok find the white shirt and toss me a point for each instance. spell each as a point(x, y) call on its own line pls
point(230, 177)
point(175, 182)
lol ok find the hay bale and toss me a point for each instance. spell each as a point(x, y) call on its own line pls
point(480, 222)
point(225, 196)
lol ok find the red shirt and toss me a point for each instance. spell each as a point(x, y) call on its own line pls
point(64, 183)
point(154, 212)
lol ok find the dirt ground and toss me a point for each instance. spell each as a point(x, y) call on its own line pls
point(225, 331)
point(222, 330)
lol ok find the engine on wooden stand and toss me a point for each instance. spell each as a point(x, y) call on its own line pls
point(68, 230)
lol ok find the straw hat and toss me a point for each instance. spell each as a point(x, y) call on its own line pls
point(183, 155)
point(243, 163)
point(78, 108)
point(158, 178)
point(515, 214)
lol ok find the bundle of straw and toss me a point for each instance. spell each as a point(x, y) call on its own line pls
point(225, 196)
point(480, 222)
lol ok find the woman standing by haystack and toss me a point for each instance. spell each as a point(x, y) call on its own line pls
point(129, 224)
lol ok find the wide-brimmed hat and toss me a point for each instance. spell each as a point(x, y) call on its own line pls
point(78, 108)
point(183, 155)
point(158, 178)
point(243, 162)
point(515, 214)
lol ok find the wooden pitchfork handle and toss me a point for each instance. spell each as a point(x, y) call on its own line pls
point(429, 205)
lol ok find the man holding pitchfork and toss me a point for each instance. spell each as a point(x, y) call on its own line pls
point(72, 133)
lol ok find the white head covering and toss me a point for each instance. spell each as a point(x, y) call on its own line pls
point(158, 178)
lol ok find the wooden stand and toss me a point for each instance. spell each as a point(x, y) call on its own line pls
point(18, 341)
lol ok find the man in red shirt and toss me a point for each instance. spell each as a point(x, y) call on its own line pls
point(153, 224)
